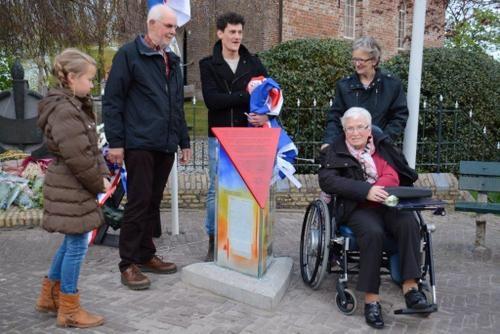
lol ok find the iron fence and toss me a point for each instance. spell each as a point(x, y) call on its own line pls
point(445, 137)
point(449, 135)
point(197, 121)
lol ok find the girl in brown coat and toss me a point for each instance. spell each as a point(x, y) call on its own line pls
point(72, 182)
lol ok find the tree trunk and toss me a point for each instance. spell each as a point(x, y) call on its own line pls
point(42, 75)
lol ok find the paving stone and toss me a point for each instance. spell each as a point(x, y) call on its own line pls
point(468, 287)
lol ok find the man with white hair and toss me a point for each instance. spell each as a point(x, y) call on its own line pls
point(145, 125)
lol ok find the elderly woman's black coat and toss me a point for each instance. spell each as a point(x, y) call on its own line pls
point(341, 174)
point(384, 98)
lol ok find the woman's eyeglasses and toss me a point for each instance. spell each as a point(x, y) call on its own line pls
point(360, 60)
point(360, 128)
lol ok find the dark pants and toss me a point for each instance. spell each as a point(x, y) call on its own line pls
point(147, 174)
point(370, 225)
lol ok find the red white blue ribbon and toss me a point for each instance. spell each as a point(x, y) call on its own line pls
point(266, 99)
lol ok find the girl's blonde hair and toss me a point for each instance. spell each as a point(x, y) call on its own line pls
point(71, 61)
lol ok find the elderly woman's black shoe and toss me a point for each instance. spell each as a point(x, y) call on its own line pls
point(416, 299)
point(373, 315)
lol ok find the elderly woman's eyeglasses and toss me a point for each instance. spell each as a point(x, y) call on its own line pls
point(360, 60)
point(360, 128)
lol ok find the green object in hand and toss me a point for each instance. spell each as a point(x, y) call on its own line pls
point(391, 200)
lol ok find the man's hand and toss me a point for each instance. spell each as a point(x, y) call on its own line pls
point(377, 194)
point(257, 120)
point(115, 155)
point(185, 156)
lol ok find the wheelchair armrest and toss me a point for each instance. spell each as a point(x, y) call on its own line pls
point(409, 192)
point(421, 204)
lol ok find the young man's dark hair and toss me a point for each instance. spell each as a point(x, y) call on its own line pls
point(229, 18)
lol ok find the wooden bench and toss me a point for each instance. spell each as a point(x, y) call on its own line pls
point(483, 177)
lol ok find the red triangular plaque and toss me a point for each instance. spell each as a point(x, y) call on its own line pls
point(252, 151)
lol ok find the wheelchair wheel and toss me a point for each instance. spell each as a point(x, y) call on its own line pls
point(314, 243)
point(347, 306)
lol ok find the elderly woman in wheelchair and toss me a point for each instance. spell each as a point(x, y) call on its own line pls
point(356, 168)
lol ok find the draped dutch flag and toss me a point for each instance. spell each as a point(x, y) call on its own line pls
point(266, 99)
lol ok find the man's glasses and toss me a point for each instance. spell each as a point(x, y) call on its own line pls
point(360, 128)
point(360, 60)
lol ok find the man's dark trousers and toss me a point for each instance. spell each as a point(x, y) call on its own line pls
point(147, 174)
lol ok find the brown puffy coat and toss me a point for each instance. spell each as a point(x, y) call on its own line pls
point(75, 176)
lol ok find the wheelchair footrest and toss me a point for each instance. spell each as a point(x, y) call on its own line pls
point(432, 308)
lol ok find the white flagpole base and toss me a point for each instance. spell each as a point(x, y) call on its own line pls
point(174, 199)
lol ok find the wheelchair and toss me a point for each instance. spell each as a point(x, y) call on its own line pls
point(327, 247)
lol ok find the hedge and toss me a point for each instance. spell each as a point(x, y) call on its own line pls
point(309, 69)
point(468, 78)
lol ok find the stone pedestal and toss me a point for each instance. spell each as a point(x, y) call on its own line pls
point(265, 292)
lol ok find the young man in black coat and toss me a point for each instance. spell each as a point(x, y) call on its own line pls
point(224, 79)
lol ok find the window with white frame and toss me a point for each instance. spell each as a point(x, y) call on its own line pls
point(350, 19)
point(402, 25)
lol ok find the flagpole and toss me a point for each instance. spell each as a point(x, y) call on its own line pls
point(414, 82)
point(174, 189)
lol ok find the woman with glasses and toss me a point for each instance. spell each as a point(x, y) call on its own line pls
point(378, 92)
point(356, 167)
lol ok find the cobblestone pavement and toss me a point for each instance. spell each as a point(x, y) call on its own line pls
point(468, 287)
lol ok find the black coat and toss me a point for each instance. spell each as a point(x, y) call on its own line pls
point(341, 174)
point(384, 99)
point(224, 92)
point(142, 108)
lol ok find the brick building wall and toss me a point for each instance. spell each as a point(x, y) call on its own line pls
point(378, 18)
point(306, 19)
point(310, 19)
point(261, 28)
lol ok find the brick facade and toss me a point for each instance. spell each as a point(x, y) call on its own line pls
point(306, 19)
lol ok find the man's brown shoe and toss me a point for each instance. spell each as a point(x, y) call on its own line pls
point(156, 265)
point(135, 279)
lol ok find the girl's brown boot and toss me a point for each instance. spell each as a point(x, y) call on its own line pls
point(70, 313)
point(48, 300)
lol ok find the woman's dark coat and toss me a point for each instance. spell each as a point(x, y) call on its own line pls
point(384, 98)
point(75, 176)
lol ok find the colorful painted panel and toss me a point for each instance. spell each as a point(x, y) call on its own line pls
point(243, 228)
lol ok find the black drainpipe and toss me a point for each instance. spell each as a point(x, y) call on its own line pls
point(281, 21)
